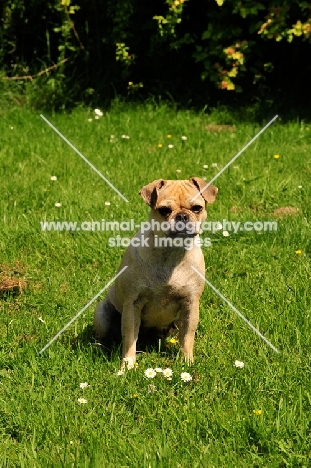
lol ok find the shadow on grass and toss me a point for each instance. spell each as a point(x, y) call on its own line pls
point(149, 340)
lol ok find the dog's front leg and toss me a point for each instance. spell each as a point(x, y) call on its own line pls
point(188, 322)
point(130, 323)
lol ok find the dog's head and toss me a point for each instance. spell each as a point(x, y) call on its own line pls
point(179, 206)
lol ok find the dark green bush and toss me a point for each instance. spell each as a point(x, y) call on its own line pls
point(66, 51)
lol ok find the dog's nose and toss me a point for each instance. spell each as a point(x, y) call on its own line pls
point(183, 217)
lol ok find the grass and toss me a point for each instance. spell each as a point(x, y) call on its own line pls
point(210, 421)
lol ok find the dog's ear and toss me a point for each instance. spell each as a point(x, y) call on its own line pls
point(208, 192)
point(149, 193)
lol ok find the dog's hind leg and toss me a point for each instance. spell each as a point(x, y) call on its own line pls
point(107, 323)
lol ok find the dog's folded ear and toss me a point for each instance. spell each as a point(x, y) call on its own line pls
point(208, 192)
point(149, 193)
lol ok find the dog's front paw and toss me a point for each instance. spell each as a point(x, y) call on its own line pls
point(188, 358)
point(127, 363)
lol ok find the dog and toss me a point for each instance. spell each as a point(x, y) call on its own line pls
point(159, 288)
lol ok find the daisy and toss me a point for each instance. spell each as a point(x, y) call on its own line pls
point(225, 233)
point(58, 205)
point(125, 136)
point(89, 120)
point(82, 401)
point(170, 146)
point(158, 370)
point(84, 385)
point(53, 177)
point(185, 377)
point(184, 138)
point(96, 117)
point(150, 373)
point(167, 373)
point(120, 372)
point(107, 203)
point(239, 364)
point(178, 170)
point(205, 166)
point(98, 112)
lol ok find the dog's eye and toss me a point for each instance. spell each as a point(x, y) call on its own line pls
point(196, 209)
point(164, 211)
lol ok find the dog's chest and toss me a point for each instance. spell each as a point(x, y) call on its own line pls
point(162, 304)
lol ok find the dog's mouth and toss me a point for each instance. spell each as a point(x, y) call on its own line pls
point(183, 235)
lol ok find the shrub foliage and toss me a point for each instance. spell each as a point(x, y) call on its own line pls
point(69, 50)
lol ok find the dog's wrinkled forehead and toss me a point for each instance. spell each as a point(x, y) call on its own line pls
point(179, 192)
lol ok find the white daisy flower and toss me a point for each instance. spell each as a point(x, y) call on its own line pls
point(185, 377)
point(89, 120)
point(107, 203)
point(53, 177)
point(98, 112)
point(167, 373)
point(121, 372)
point(239, 364)
point(96, 117)
point(84, 385)
point(150, 373)
point(170, 146)
point(205, 166)
point(158, 370)
point(184, 137)
point(125, 136)
point(58, 205)
point(82, 401)
point(299, 186)
point(178, 170)
point(225, 233)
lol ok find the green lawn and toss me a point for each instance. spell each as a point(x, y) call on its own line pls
point(210, 421)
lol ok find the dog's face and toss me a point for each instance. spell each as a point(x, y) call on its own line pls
point(179, 206)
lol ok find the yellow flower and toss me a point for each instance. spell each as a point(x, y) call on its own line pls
point(169, 136)
point(258, 412)
point(276, 156)
point(135, 395)
point(160, 145)
point(298, 252)
point(173, 341)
